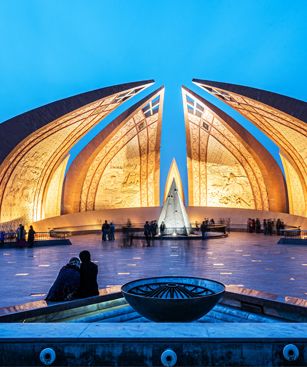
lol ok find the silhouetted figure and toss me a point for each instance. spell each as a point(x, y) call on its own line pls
point(88, 276)
point(67, 282)
point(212, 221)
point(253, 225)
point(147, 232)
point(270, 227)
point(105, 230)
point(162, 228)
point(258, 226)
point(228, 224)
point(31, 235)
point(2, 237)
point(127, 236)
point(112, 232)
point(20, 233)
point(265, 227)
point(203, 229)
point(249, 225)
point(153, 228)
point(278, 226)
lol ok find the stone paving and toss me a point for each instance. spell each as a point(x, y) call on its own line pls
point(248, 260)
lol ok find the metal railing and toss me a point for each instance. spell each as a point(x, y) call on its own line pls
point(10, 237)
point(294, 233)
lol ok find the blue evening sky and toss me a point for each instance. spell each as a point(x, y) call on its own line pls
point(53, 49)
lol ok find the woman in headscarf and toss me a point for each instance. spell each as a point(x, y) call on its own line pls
point(67, 282)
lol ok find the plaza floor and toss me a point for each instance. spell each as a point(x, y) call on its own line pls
point(247, 260)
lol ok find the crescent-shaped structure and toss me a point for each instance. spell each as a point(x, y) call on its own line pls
point(120, 167)
point(35, 147)
point(283, 120)
point(227, 166)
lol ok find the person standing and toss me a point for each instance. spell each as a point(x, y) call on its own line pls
point(253, 225)
point(258, 226)
point(31, 235)
point(105, 230)
point(147, 232)
point(2, 237)
point(88, 276)
point(203, 229)
point(265, 227)
point(278, 226)
point(19, 232)
point(152, 229)
point(270, 227)
point(162, 228)
point(112, 232)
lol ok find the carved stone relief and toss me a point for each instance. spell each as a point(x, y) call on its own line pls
point(27, 172)
point(222, 170)
point(125, 171)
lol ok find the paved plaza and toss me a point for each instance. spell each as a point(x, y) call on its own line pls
point(247, 260)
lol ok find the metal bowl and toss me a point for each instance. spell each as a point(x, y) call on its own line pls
point(173, 298)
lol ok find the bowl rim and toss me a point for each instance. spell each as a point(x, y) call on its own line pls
point(173, 299)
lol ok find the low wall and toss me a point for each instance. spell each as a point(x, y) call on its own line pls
point(239, 216)
point(92, 220)
point(39, 243)
point(134, 344)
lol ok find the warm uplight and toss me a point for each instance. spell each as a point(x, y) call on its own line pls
point(225, 171)
point(287, 132)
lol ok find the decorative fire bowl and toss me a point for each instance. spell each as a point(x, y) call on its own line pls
point(173, 299)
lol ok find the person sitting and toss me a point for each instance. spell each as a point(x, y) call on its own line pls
point(88, 276)
point(67, 282)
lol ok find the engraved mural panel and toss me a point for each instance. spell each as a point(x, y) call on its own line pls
point(31, 167)
point(228, 185)
point(126, 165)
point(119, 186)
point(219, 171)
point(288, 132)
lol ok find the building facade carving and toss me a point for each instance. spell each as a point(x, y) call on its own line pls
point(32, 174)
point(280, 124)
point(224, 170)
point(123, 163)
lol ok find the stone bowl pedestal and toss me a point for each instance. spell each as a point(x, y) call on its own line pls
point(173, 298)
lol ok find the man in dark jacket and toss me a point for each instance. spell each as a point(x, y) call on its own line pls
point(88, 276)
point(105, 230)
point(67, 283)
